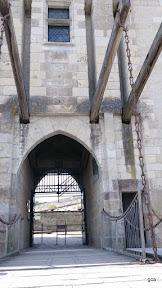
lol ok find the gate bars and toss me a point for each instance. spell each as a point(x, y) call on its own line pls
point(130, 221)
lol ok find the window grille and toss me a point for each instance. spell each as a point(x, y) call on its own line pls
point(58, 25)
point(58, 34)
point(58, 13)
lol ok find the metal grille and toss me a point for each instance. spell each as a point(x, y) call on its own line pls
point(132, 229)
point(58, 13)
point(59, 183)
point(131, 221)
point(58, 33)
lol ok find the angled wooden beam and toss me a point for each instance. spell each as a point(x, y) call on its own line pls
point(88, 6)
point(112, 48)
point(15, 60)
point(143, 76)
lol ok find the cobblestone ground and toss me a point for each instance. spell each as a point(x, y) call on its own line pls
point(48, 265)
point(72, 239)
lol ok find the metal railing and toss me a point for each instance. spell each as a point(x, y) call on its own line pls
point(57, 182)
point(125, 226)
point(63, 230)
point(10, 236)
point(127, 229)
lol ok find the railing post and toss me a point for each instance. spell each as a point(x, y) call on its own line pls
point(19, 235)
point(141, 223)
point(102, 227)
point(56, 234)
point(42, 235)
point(116, 231)
point(65, 232)
point(6, 240)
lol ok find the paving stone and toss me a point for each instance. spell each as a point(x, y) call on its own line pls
point(72, 267)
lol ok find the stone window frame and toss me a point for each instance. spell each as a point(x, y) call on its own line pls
point(59, 22)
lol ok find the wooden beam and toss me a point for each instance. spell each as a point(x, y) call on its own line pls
point(115, 5)
point(112, 48)
point(15, 60)
point(88, 6)
point(144, 74)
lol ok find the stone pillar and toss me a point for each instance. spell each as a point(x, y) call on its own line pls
point(110, 183)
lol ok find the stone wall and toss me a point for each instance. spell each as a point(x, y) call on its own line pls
point(146, 19)
point(59, 78)
point(93, 205)
point(8, 108)
point(59, 103)
point(73, 220)
point(22, 195)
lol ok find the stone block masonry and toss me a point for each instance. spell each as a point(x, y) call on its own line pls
point(61, 82)
point(72, 219)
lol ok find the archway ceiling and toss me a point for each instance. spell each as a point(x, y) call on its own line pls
point(58, 152)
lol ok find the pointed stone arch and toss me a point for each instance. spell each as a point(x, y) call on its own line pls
point(40, 130)
point(45, 127)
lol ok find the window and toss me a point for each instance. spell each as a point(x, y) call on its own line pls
point(54, 13)
point(58, 25)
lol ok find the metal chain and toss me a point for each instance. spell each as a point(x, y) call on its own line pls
point(139, 145)
point(156, 215)
point(119, 217)
point(2, 24)
point(16, 218)
point(158, 223)
point(1, 34)
point(155, 225)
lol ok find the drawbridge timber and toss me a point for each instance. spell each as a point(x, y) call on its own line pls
point(113, 45)
point(121, 15)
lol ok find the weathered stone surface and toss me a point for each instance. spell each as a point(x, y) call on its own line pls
point(57, 78)
point(72, 219)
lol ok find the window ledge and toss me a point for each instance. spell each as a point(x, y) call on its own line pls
point(59, 22)
point(46, 44)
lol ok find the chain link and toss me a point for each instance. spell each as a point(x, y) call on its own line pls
point(16, 218)
point(1, 34)
point(119, 217)
point(2, 24)
point(137, 129)
point(139, 146)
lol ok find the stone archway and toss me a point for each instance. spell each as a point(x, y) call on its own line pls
point(42, 128)
point(60, 151)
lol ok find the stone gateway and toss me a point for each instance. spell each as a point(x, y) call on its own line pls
point(65, 103)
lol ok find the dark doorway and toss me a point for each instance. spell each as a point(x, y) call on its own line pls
point(65, 160)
